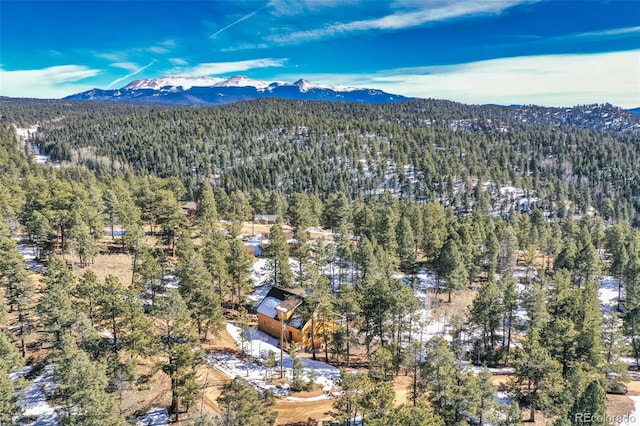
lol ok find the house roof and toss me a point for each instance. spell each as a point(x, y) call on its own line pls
point(288, 299)
point(268, 307)
point(265, 217)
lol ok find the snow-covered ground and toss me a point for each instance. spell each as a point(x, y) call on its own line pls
point(28, 251)
point(260, 274)
point(633, 419)
point(427, 325)
point(608, 294)
point(29, 133)
point(116, 232)
point(33, 400)
point(257, 345)
point(498, 371)
point(20, 373)
point(170, 282)
point(258, 294)
point(257, 276)
point(503, 398)
point(154, 417)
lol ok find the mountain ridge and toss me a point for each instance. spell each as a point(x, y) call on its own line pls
point(216, 90)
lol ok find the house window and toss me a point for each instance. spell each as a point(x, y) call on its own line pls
point(273, 325)
point(264, 322)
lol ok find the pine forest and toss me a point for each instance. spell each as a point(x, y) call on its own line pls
point(419, 263)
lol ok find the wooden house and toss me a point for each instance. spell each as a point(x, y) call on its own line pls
point(190, 209)
point(285, 309)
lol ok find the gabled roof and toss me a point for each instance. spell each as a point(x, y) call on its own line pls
point(288, 299)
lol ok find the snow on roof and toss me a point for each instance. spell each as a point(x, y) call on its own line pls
point(288, 299)
point(296, 321)
point(154, 417)
point(265, 217)
point(268, 307)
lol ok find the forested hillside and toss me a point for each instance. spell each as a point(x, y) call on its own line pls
point(421, 150)
point(475, 263)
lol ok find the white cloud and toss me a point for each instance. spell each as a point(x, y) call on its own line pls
point(113, 56)
point(297, 7)
point(52, 82)
point(399, 20)
point(129, 66)
point(178, 61)
point(216, 68)
point(159, 49)
point(136, 53)
point(244, 46)
point(162, 47)
point(609, 33)
point(133, 72)
point(549, 80)
point(600, 35)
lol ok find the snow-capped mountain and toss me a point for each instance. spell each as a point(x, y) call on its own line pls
point(185, 82)
point(215, 90)
point(242, 81)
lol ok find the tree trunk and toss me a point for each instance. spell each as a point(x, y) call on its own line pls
point(348, 342)
point(533, 409)
point(174, 398)
point(619, 291)
point(135, 261)
point(313, 336)
point(509, 335)
point(326, 346)
point(415, 382)
point(23, 345)
point(115, 334)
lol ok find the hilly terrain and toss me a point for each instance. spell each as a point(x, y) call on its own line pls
point(218, 91)
point(446, 264)
point(424, 150)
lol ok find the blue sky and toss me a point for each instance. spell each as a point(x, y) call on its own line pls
point(493, 51)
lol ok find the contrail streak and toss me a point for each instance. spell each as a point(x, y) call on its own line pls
point(139, 70)
point(244, 18)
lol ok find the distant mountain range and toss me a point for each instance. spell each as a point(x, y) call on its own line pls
point(216, 91)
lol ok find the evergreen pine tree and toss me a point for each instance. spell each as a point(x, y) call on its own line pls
point(82, 389)
point(242, 405)
point(590, 408)
point(278, 257)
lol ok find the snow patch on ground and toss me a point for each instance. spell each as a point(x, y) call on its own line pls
point(258, 294)
point(170, 282)
point(503, 398)
point(257, 345)
point(608, 294)
point(28, 252)
point(116, 232)
point(154, 417)
point(33, 401)
point(258, 275)
point(634, 417)
point(20, 373)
